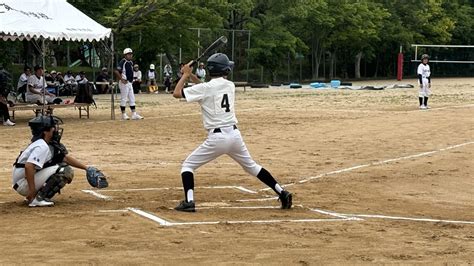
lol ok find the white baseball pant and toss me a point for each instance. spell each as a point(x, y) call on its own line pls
point(229, 141)
point(424, 88)
point(40, 178)
point(126, 94)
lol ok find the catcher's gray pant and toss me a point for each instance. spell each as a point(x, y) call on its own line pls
point(126, 94)
point(228, 141)
point(41, 177)
point(424, 88)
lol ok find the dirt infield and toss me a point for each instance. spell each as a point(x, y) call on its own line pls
point(375, 180)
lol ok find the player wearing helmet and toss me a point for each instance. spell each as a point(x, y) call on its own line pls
point(424, 74)
point(151, 79)
point(124, 73)
point(44, 167)
point(216, 98)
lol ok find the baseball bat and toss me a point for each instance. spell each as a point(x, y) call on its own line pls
point(216, 44)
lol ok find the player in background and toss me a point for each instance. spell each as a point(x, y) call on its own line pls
point(216, 99)
point(424, 79)
point(124, 74)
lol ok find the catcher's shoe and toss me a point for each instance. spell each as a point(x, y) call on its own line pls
point(40, 202)
point(185, 206)
point(286, 199)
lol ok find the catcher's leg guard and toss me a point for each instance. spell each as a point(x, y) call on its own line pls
point(56, 182)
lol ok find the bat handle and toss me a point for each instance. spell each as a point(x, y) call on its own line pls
point(194, 63)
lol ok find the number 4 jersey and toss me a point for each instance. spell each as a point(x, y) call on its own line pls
point(216, 98)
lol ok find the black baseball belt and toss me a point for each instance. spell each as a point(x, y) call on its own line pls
point(218, 130)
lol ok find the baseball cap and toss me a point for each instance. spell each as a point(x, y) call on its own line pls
point(127, 51)
point(38, 67)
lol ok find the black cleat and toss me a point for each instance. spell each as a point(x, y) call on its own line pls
point(286, 199)
point(185, 206)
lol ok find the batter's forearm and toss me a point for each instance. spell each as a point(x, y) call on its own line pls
point(178, 91)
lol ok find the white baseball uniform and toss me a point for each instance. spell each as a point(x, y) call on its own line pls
point(37, 153)
point(125, 67)
point(424, 73)
point(216, 98)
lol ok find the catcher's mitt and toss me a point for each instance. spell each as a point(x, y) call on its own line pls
point(96, 178)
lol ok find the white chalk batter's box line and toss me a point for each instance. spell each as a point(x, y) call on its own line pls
point(340, 216)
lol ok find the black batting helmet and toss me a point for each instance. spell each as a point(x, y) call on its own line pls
point(219, 65)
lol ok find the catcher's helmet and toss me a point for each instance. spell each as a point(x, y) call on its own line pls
point(127, 51)
point(425, 56)
point(42, 123)
point(219, 65)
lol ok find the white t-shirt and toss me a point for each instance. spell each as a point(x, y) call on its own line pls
point(69, 79)
point(22, 80)
point(200, 72)
point(424, 70)
point(151, 74)
point(216, 98)
point(33, 81)
point(81, 80)
point(37, 153)
point(137, 75)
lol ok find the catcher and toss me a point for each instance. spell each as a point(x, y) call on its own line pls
point(45, 167)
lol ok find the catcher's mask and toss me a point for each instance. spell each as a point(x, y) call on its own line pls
point(219, 65)
point(41, 123)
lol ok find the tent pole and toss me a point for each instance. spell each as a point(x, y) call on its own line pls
point(112, 91)
point(44, 76)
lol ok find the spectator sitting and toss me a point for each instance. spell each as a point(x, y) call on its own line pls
point(103, 77)
point(37, 89)
point(52, 82)
point(168, 73)
point(70, 83)
point(81, 78)
point(137, 79)
point(5, 85)
point(23, 81)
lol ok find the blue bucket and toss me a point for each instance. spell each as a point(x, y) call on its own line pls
point(335, 83)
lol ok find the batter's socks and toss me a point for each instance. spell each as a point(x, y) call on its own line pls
point(425, 102)
point(420, 99)
point(188, 185)
point(268, 179)
point(132, 108)
point(122, 108)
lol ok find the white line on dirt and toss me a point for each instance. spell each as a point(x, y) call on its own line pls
point(376, 216)
point(112, 211)
point(376, 163)
point(96, 194)
point(150, 216)
point(338, 215)
point(246, 190)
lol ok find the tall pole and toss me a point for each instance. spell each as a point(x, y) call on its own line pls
point(112, 91)
point(44, 75)
point(179, 49)
point(199, 42)
point(233, 42)
point(248, 56)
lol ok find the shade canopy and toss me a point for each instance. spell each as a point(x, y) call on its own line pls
point(47, 19)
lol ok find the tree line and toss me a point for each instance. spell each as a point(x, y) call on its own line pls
point(275, 40)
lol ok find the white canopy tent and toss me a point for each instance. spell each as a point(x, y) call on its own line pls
point(55, 20)
point(47, 19)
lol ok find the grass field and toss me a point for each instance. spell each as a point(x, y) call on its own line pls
point(375, 180)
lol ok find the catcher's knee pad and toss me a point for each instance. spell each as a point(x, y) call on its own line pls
point(65, 172)
point(56, 182)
